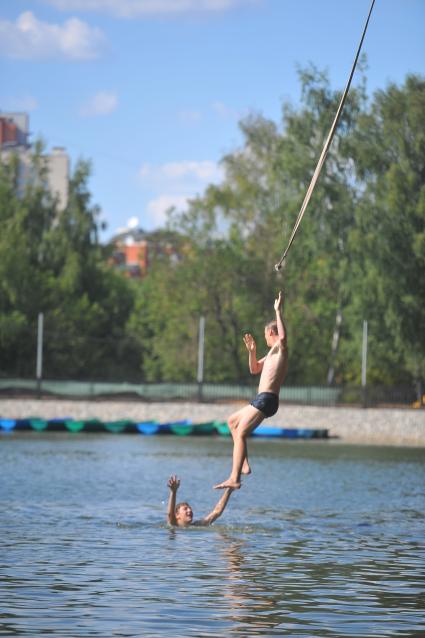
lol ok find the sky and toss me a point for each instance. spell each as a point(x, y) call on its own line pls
point(152, 91)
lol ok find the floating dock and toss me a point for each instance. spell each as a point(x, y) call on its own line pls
point(183, 427)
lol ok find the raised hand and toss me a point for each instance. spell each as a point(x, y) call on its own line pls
point(173, 483)
point(278, 301)
point(249, 341)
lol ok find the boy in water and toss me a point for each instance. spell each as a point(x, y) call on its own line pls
point(273, 368)
point(181, 514)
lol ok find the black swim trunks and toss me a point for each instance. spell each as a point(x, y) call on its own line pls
point(267, 403)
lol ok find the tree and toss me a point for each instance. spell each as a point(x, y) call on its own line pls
point(359, 254)
point(388, 238)
point(209, 281)
point(52, 262)
point(255, 207)
point(26, 221)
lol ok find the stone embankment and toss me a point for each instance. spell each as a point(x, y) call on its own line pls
point(403, 427)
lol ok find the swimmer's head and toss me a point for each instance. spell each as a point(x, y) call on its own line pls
point(184, 514)
point(271, 332)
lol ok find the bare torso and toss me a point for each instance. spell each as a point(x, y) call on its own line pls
point(274, 370)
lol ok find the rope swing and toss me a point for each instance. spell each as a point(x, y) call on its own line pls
point(326, 146)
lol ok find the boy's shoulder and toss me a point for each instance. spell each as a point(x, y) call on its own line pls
point(278, 346)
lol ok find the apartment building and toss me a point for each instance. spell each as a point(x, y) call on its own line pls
point(14, 139)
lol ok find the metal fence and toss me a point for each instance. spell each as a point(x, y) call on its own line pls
point(369, 396)
point(85, 368)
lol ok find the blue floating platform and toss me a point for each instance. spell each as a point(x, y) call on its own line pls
point(6, 425)
point(23, 424)
point(182, 427)
point(148, 427)
point(290, 433)
point(57, 424)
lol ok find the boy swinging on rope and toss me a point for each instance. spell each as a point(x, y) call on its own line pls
point(273, 368)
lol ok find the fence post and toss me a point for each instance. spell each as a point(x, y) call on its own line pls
point(201, 341)
point(364, 364)
point(39, 364)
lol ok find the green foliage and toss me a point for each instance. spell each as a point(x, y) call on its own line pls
point(359, 254)
point(390, 224)
point(51, 262)
point(360, 250)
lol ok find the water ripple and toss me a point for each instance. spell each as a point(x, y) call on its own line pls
point(316, 546)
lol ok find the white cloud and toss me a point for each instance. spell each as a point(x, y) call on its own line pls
point(182, 175)
point(146, 8)
point(158, 207)
point(225, 112)
point(23, 103)
point(30, 38)
point(189, 117)
point(102, 103)
point(175, 183)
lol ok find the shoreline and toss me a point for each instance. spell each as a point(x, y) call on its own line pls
point(370, 426)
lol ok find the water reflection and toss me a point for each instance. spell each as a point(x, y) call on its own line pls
point(247, 590)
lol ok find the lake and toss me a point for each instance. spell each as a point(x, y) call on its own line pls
point(323, 539)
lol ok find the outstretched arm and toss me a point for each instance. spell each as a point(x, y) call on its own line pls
point(254, 366)
point(173, 483)
point(218, 509)
point(281, 330)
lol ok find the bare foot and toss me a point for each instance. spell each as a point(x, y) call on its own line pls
point(246, 468)
point(234, 485)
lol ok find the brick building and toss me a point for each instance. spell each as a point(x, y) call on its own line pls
point(134, 250)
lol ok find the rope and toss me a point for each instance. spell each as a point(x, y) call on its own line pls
point(326, 146)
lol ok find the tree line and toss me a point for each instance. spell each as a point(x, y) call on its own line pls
point(359, 254)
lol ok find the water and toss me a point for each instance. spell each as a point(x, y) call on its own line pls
point(322, 540)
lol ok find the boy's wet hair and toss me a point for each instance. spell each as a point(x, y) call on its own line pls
point(272, 325)
point(179, 505)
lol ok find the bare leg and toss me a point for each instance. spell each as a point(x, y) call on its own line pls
point(248, 419)
point(246, 468)
point(233, 422)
